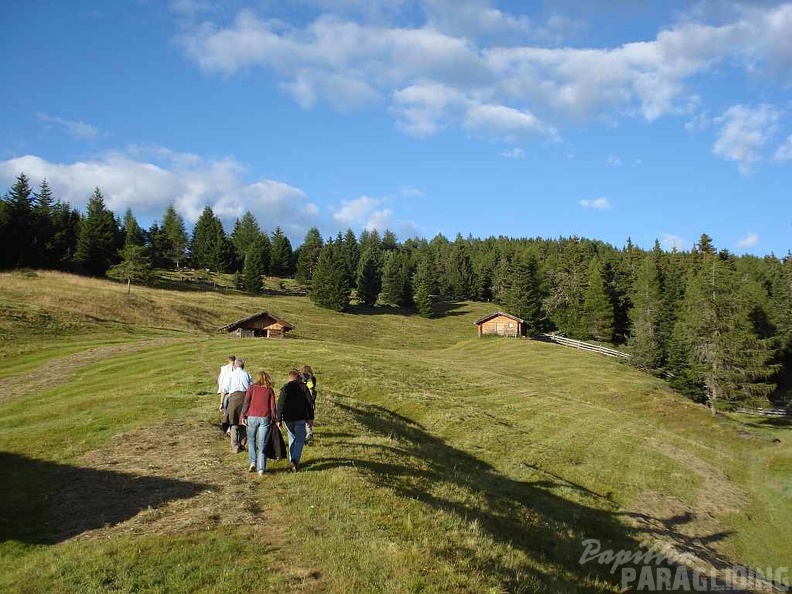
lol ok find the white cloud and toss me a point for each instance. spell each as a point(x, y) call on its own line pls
point(671, 242)
point(614, 161)
point(744, 133)
point(749, 241)
point(75, 128)
point(514, 153)
point(148, 179)
point(784, 152)
point(456, 68)
point(505, 122)
point(411, 192)
point(596, 204)
point(357, 212)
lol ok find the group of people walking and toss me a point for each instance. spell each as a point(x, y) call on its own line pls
point(252, 416)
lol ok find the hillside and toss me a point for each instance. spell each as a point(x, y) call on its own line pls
point(443, 462)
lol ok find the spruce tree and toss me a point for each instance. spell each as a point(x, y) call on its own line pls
point(715, 347)
point(44, 254)
point(396, 278)
point(330, 288)
point(176, 235)
point(423, 284)
point(133, 233)
point(66, 223)
point(309, 255)
point(351, 255)
point(209, 247)
point(281, 255)
point(568, 277)
point(460, 270)
point(158, 247)
point(369, 279)
point(523, 298)
point(389, 241)
point(19, 237)
point(597, 305)
point(645, 342)
point(98, 240)
point(246, 233)
point(254, 268)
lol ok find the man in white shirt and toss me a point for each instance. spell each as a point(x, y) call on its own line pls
point(225, 371)
point(236, 384)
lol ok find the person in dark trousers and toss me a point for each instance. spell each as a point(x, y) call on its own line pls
point(309, 379)
point(295, 409)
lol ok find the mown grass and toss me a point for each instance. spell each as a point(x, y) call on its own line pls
point(443, 462)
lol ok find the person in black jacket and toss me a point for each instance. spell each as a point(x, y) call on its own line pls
point(295, 408)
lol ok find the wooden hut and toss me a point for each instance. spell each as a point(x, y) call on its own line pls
point(261, 325)
point(501, 323)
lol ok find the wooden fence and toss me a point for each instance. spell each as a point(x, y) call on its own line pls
point(767, 412)
point(586, 346)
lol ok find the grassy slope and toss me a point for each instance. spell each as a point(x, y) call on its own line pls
point(443, 463)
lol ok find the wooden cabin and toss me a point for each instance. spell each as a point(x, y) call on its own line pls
point(502, 324)
point(261, 325)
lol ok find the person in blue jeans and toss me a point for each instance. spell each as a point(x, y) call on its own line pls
point(258, 410)
point(295, 409)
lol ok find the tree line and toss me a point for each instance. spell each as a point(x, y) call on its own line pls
point(718, 325)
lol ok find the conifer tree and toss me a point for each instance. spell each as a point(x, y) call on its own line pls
point(568, 278)
point(330, 288)
point(523, 298)
point(597, 305)
point(133, 233)
point(645, 342)
point(396, 278)
point(254, 268)
point(389, 241)
point(460, 271)
point(423, 284)
point(281, 254)
point(351, 255)
point(135, 266)
point(210, 247)
point(98, 240)
point(246, 233)
point(176, 235)
point(309, 255)
point(715, 347)
point(158, 247)
point(66, 223)
point(18, 241)
point(369, 279)
point(44, 225)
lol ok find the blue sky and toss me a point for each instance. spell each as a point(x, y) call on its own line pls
point(607, 118)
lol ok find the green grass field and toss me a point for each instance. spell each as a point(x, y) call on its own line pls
point(442, 463)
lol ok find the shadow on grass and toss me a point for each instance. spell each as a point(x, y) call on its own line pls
point(45, 503)
point(774, 423)
point(525, 515)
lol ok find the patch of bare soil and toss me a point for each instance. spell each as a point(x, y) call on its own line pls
point(198, 453)
point(57, 371)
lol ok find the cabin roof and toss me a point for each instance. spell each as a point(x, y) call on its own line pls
point(234, 325)
point(495, 314)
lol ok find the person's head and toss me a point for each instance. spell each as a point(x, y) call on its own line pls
point(306, 370)
point(239, 363)
point(231, 359)
point(263, 379)
point(293, 374)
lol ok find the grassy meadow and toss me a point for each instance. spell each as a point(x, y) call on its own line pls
point(442, 462)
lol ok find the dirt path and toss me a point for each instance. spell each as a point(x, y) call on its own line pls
point(222, 493)
point(57, 371)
